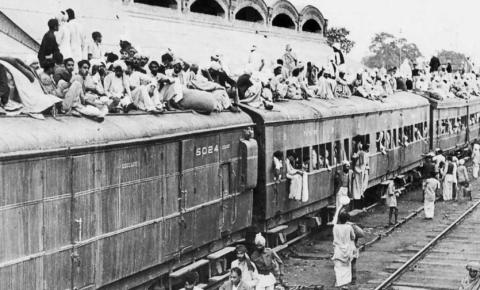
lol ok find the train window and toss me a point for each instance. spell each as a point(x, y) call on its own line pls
point(388, 140)
point(417, 132)
point(339, 154)
point(328, 154)
point(323, 157)
point(296, 154)
point(306, 159)
point(445, 126)
point(453, 126)
point(315, 157)
point(437, 128)
point(394, 139)
point(425, 129)
point(408, 133)
point(463, 123)
point(400, 137)
point(364, 139)
point(346, 148)
point(380, 141)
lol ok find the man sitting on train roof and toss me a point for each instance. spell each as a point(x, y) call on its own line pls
point(342, 89)
point(63, 70)
point(117, 89)
point(84, 97)
point(145, 95)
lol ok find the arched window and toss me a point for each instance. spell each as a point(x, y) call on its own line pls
point(283, 20)
point(249, 14)
point(312, 26)
point(210, 7)
point(162, 3)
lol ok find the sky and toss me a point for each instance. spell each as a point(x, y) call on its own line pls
point(432, 24)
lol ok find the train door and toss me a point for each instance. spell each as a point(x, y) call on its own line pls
point(186, 192)
point(228, 207)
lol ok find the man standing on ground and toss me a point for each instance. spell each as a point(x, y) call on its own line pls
point(235, 282)
point(243, 262)
point(430, 188)
point(475, 159)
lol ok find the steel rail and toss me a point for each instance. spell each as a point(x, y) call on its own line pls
point(423, 251)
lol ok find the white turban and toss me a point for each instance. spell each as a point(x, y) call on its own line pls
point(260, 240)
point(121, 64)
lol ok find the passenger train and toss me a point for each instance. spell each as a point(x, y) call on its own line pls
point(142, 199)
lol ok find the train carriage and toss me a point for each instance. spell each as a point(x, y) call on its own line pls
point(474, 118)
point(325, 129)
point(449, 119)
point(112, 205)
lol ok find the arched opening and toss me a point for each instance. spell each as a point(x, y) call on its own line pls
point(249, 14)
point(210, 7)
point(162, 3)
point(283, 20)
point(312, 26)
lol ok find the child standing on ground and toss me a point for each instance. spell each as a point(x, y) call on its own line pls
point(392, 202)
point(462, 179)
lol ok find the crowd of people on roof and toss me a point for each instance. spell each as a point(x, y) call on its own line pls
point(75, 76)
point(433, 79)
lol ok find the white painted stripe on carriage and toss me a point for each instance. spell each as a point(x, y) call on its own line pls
point(146, 223)
point(110, 234)
point(36, 255)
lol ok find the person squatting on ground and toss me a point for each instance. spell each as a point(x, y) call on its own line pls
point(472, 280)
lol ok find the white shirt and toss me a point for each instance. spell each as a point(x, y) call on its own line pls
point(96, 50)
point(77, 40)
point(249, 277)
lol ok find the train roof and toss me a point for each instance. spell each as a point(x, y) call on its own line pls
point(25, 134)
point(450, 102)
point(294, 110)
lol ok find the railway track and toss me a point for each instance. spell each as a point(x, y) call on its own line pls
point(441, 263)
point(388, 251)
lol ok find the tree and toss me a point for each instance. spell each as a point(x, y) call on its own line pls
point(388, 51)
point(339, 35)
point(457, 59)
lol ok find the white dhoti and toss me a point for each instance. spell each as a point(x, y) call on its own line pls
point(448, 187)
point(357, 186)
point(343, 272)
point(343, 191)
point(429, 208)
point(266, 282)
point(475, 170)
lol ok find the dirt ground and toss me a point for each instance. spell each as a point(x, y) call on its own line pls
point(308, 263)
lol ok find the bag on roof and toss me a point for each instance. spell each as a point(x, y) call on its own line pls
point(199, 101)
